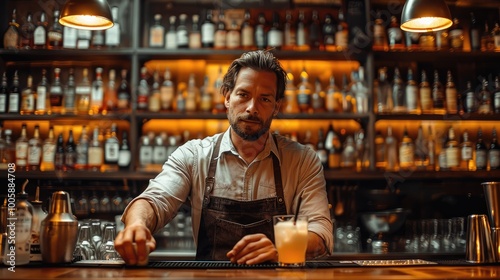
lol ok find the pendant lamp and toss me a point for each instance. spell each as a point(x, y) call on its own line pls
point(425, 16)
point(86, 14)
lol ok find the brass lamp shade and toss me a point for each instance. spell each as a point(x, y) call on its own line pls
point(87, 14)
point(425, 16)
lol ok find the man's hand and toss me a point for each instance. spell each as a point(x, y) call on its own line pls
point(134, 244)
point(253, 249)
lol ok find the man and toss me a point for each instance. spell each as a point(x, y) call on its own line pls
point(236, 180)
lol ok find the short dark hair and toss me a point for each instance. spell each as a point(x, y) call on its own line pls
point(260, 60)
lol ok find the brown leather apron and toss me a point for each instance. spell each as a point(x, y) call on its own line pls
point(225, 221)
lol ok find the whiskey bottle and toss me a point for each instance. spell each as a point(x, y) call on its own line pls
point(496, 96)
point(315, 36)
point(328, 30)
point(347, 98)
point(452, 151)
point(145, 152)
point(233, 38)
point(111, 150)
point(96, 152)
point(334, 148)
point(289, 32)
point(421, 150)
point(481, 152)
point(124, 155)
point(59, 153)
point(27, 33)
point(442, 40)
point(55, 35)
point(487, 41)
point(208, 31)
point(159, 150)
point(154, 104)
point(411, 94)
point(195, 33)
point(220, 34)
point(380, 151)
point(451, 95)
point(48, 152)
point(469, 99)
point(496, 36)
point(4, 94)
point(143, 90)
point(22, 149)
point(398, 93)
point(171, 34)
point(192, 95)
point(206, 95)
point(69, 94)
point(97, 93)
point(383, 92)
point(395, 35)
point(123, 102)
point(247, 31)
point(425, 94)
point(56, 93)
point(412, 40)
point(83, 39)
point(494, 151)
point(261, 31)
point(113, 34)
point(318, 97)
point(182, 34)
point(70, 152)
point(42, 103)
point(321, 151)
point(456, 35)
point(304, 90)
point(97, 40)
point(302, 33)
point(110, 93)
point(167, 91)
point(391, 146)
point(14, 95)
point(218, 106)
point(342, 33)
point(484, 99)
point(361, 91)
point(83, 91)
point(379, 35)
point(348, 155)
point(437, 95)
point(474, 34)
point(333, 100)
point(11, 36)
point(290, 105)
point(82, 150)
point(28, 98)
point(157, 33)
point(7, 151)
point(34, 150)
point(431, 148)
point(70, 36)
point(406, 152)
point(466, 153)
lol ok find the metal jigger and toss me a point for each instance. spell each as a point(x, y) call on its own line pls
point(492, 195)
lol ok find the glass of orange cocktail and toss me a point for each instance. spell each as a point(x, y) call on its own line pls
point(290, 238)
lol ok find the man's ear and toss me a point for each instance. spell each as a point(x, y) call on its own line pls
point(226, 100)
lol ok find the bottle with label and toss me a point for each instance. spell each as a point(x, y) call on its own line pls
point(442, 40)
point(192, 95)
point(321, 151)
point(304, 91)
point(206, 95)
point(97, 39)
point(431, 148)
point(411, 94)
point(328, 29)
point(496, 96)
point(466, 153)
point(348, 155)
point(421, 150)
point(145, 152)
point(69, 94)
point(220, 35)
point(83, 39)
point(195, 33)
point(484, 99)
point(474, 33)
point(70, 36)
point(123, 102)
point(406, 152)
point(289, 32)
point(159, 150)
point(111, 150)
point(315, 35)
point(82, 150)
point(261, 31)
point(427, 41)
point(167, 91)
point(97, 93)
point(379, 35)
point(56, 93)
point(452, 151)
point(425, 94)
point(59, 154)
point(333, 147)
point(380, 151)
point(451, 95)
point(55, 35)
point(208, 31)
point(171, 34)
point(113, 34)
point(496, 36)
point(42, 103)
point(182, 34)
point(395, 35)
point(391, 146)
point(347, 98)
point(469, 99)
point(290, 105)
point(35, 150)
point(383, 92)
point(22, 149)
point(333, 98)
point(233, 39)
point(27, 33)
point(8, 150)
point(157, 33)
point(11, 37)
point(361, 91)
point(412, 40)
point(481, 152)
point(28, 97)
point(342, 33)
point(438, 95)
point(124, 155)
point(96, 152)
point(110, 93)
point(398, 93)
point(48, 152)
point(4, 94)
point(494, 151)
point(456, 36)
point(14, 101)
point(154, 104)
point(83, 92)
point(247, 31)
point(70, 152)
point(39, 215)
point(318, 97)
point(143, 90)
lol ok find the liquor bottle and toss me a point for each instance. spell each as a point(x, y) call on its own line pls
point(398, 93)
point(42, 102)
point(206, 95)
point(22, 149)
point(412, 40)
point(180, 98)
point(333, 98)
point(289, 32)
point(97, 39)
point(7, 151)
point(56, 93)
point(171, 34)
point(208, 31)
point(34, 150)
point(69, 94)
point(4, 94)
point(290, 105)
point(110, 93)
point(437, 95)
point(195, 33)
point(318, 97)
point(380, 151)
point(83, 91)
point(379, 35)
point(28, 98)
point(383, 92)
point(218, 106)
point(469, 97)
point(154, 104)
point(70, 152)
point(484, 99)
point(334, 148)
point(182, 34)
point(48, 152)
point(11, 36)
point(348, 155)
point(233, 38)
point(442, 40)
point(406, 152)
point(97, 93)
point(22, 214)
point(111, 150)
point(431, 148)
point(59, 154)
point(494, 151)
point(275, 33)
point(411, 94)
point(124, 155)
point(474, 34)
point(391, 145)
point(27, 33)
point(395, 35)
point(425, 94)
point(427, 41)
point(360, 91)
point(487, 41)
point(347, 98)
point(321, 151)
point(192, 95)
point(14, 95)
point(159, 150)
point(304, 90)
point(113, 34)
point(70, 36)
point(55, 35)
point(96, 152)
point(466, 153)
point(261, 31)
point(157, 33)
point(167, 91)
point(315, 36)
point(456, 35)
point(481, 152)
point(328, 29)
point(496, 96)
point(220, 34)
point(143, 90)
point(452, 151)
point(421, 150)
point(145, 152)
point(496, 36)
point(82, 150)
point(342, 33)
point(451, 95)
point(123, 102)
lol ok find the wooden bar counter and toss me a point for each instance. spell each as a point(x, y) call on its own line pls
point(357, 273)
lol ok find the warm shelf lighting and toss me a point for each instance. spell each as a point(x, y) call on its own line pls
point(87, 14)
point(425, 16)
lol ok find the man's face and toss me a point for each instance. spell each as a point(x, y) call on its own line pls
point(252, 103)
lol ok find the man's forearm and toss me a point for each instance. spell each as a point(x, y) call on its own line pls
point(315, 246)
point(141, 211)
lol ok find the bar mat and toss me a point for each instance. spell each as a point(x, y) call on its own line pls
point(227, 265)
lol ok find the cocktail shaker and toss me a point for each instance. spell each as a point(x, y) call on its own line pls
point(59, 230)
point(492, 195)
point(479, 247)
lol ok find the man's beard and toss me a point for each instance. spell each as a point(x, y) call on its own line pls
point(246, 134)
